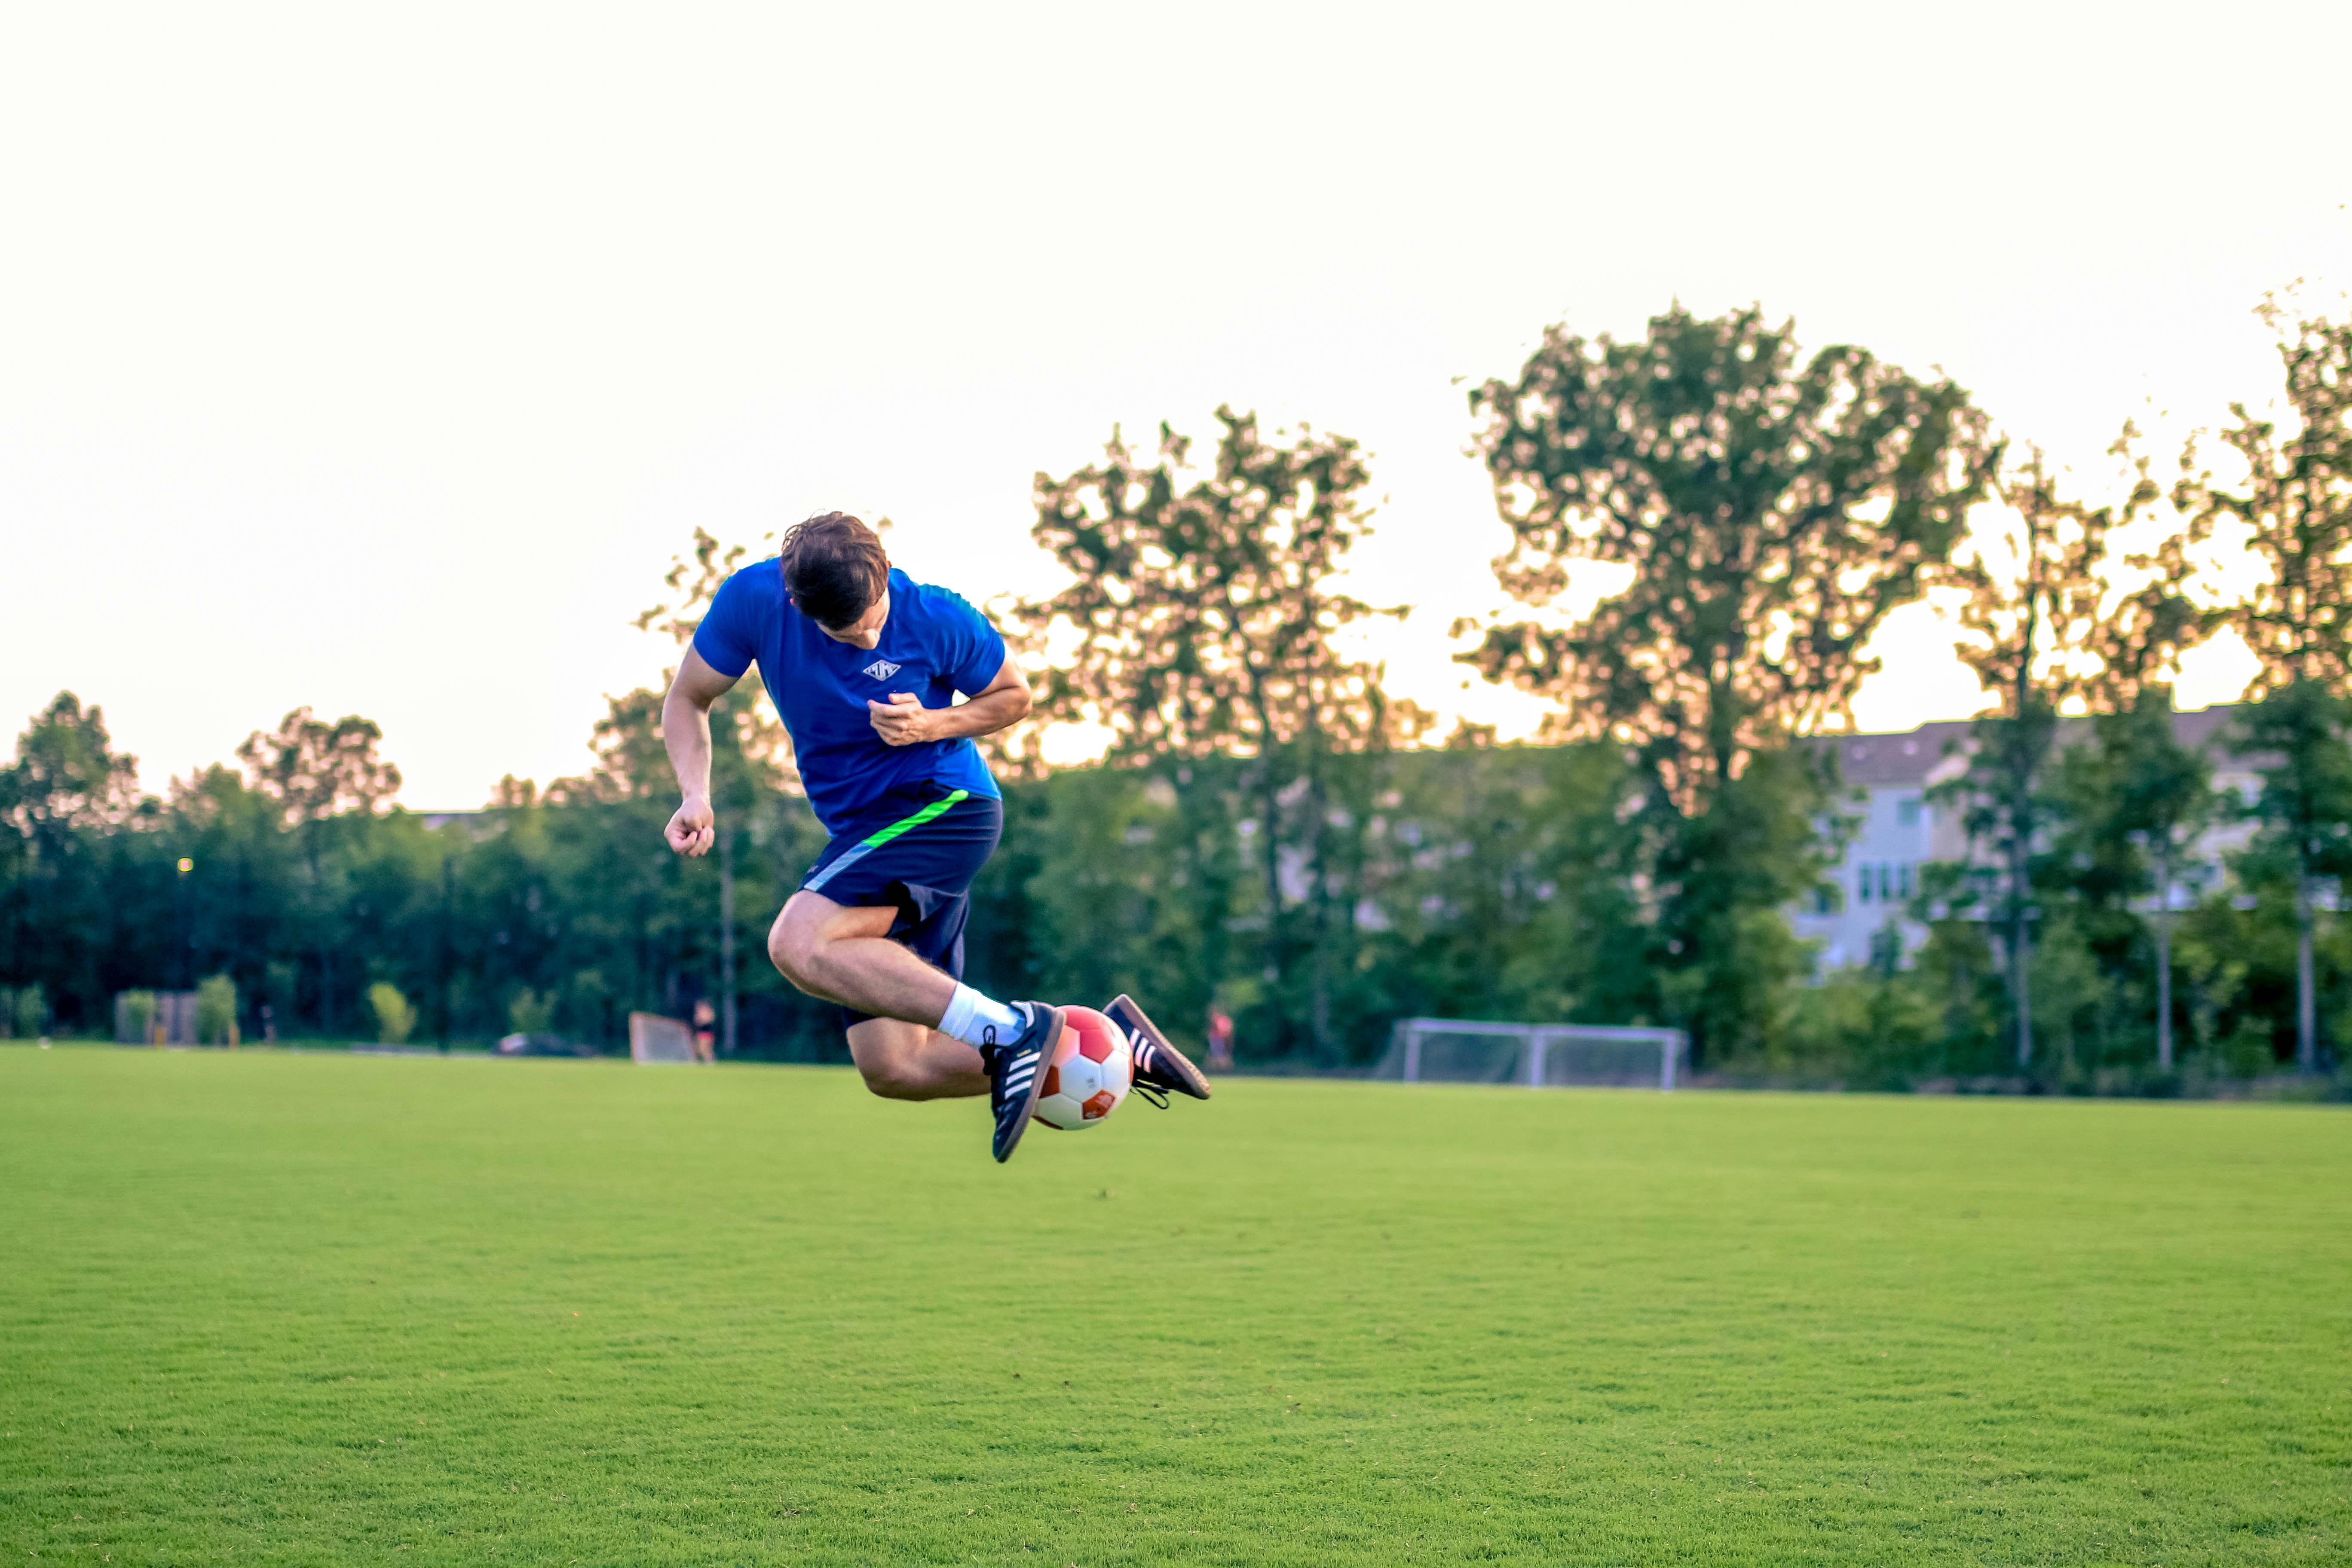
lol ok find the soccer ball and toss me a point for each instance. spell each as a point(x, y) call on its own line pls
point(1089, 1074)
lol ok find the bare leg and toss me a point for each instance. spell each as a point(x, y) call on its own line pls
point(844, 954)
point(906, 1061)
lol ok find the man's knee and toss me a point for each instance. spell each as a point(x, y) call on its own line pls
point(796, 946)
point(801, 944)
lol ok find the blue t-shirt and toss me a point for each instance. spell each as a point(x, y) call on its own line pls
point(934, 645)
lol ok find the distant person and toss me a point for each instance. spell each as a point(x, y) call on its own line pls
point(864, 664)
point(1221, 1040)
point(704, 1017)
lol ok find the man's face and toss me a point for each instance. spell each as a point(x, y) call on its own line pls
point(868, 632)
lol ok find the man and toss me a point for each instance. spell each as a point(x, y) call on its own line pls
point(863, 665)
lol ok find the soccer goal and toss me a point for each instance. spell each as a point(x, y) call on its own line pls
point(654, 1038)
point(1539, 1056)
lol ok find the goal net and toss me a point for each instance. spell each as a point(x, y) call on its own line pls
point(654, 1038)
point(1538, 1055)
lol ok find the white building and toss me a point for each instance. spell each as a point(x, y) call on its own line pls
point(1889, 777)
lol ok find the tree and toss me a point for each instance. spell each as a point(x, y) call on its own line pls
point(1774, 513)
point(754, 754)
point(67, 773)
point(2029, 621)
point(66, 778)
point(2295, 506)
point(2305, 810)
point(2131, 808)
point(2151, 795)
point(693, 579)
point(751, 752)
point(314, 770)
point(1205, 620)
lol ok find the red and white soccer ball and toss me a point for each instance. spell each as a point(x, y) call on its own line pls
point(1089, 1074)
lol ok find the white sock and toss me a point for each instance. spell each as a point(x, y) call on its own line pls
point(970, 1013)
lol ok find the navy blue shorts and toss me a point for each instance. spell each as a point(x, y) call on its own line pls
point(916, 853)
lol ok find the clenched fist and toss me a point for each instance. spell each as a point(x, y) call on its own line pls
point(692, 826)
point(903, 721)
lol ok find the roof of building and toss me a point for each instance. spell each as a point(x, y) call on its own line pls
point(1903, 757)
point(1894, 760)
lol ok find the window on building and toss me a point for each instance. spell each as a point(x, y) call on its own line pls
point(1903, 879)
point(1909, 811)
point(1861, 886)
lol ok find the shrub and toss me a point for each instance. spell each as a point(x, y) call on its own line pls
point(135, 1017)
point(532, 1013)
point(394, 1017)
point(217, 1011)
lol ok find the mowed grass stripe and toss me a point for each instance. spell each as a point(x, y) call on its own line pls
point(267, 1307)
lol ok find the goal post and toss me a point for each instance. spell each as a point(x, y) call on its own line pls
point(1536, 1055)
point(656, 1038)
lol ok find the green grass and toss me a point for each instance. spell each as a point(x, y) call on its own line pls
point(270, 1309)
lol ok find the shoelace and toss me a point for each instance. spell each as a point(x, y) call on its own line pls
point(994, 1057)
point(1150, 1091)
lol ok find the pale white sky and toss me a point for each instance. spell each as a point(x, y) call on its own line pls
point(380, 360)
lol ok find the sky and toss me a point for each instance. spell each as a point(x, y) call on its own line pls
point(380, 360)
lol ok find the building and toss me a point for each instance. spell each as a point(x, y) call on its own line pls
point(1901, 829)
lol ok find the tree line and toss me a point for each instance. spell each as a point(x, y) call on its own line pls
point(1271, 833)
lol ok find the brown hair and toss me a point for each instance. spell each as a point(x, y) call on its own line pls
point(835, 568)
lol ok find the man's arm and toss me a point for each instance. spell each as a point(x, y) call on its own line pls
point(686, 730)
point(903, 721)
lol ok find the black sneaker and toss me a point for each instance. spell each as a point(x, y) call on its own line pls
point(1016, 1071)
point(1161, 1069)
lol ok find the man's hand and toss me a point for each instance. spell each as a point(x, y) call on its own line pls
point(685, 735)
point(903, 721)
point(692, 828)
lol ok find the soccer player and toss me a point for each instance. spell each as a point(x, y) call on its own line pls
point(863, 665)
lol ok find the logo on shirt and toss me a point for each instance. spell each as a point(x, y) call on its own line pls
point(881, 670)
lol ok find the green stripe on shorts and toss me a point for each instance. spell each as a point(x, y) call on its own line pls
point(880, 837)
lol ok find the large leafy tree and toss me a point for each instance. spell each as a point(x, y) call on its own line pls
point(1203, 619)
point(1774, 508)
point(2140, 800)
point(751, 752)
point(2304, 810)
point(66, 781)
point(2295, 507)
point(314, 770)
point(1202, 605)
point(2032, 608)
point(67, 773)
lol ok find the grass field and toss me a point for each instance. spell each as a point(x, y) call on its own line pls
point(271, 1308)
